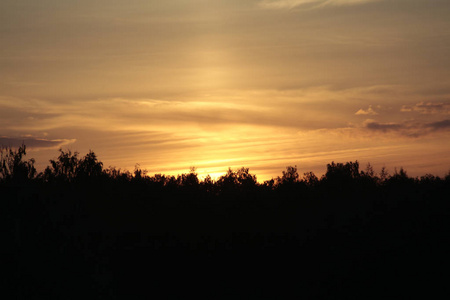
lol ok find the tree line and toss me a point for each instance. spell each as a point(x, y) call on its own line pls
point(70, 167)
point(78, 229)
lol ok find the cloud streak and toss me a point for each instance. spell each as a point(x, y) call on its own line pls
point(408, 128)
point(289, 4)
point(34, 143)
point(429, 108)
point(441, 125)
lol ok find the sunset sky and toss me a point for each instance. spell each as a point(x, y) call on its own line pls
point(229, 83)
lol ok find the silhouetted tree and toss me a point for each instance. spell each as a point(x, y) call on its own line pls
point(228, 181)
point(208, 184)
point(289, 177)
point(368, 178)
point(384, 174)
point(89, 166)
point(338, 171)
point(269, 184)
point(310, 179)
point(172, 182)
point(118, 174)
point(400, 175)
point(369, 172)
point(159, 180)
point(139, 173)
point(63, 168)
point(428, 178)
point(190, 179)
point(400, 180)
point(245, 179)
point(12, 166)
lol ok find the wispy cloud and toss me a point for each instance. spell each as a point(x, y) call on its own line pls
point(369, 111)
point(427, 108)
point(288, 4)
point(34, 143)
point(440, 125)
point(408, 128)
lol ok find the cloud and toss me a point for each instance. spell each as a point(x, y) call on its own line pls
point(408, 128)
point(370, 124)
point(288, 4)
point(281, 4)
point(369, 111)
point(33, 143)
point(427, 108)
point(441, 125)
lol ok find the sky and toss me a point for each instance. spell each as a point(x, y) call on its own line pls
point(262, 84)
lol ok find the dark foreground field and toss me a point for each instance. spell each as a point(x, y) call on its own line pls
point(350, 235)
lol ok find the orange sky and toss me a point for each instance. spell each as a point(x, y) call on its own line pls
point(227, 83)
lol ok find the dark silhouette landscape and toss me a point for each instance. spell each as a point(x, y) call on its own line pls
point(79, 229)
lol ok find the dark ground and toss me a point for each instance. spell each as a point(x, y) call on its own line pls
point(133, 240)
